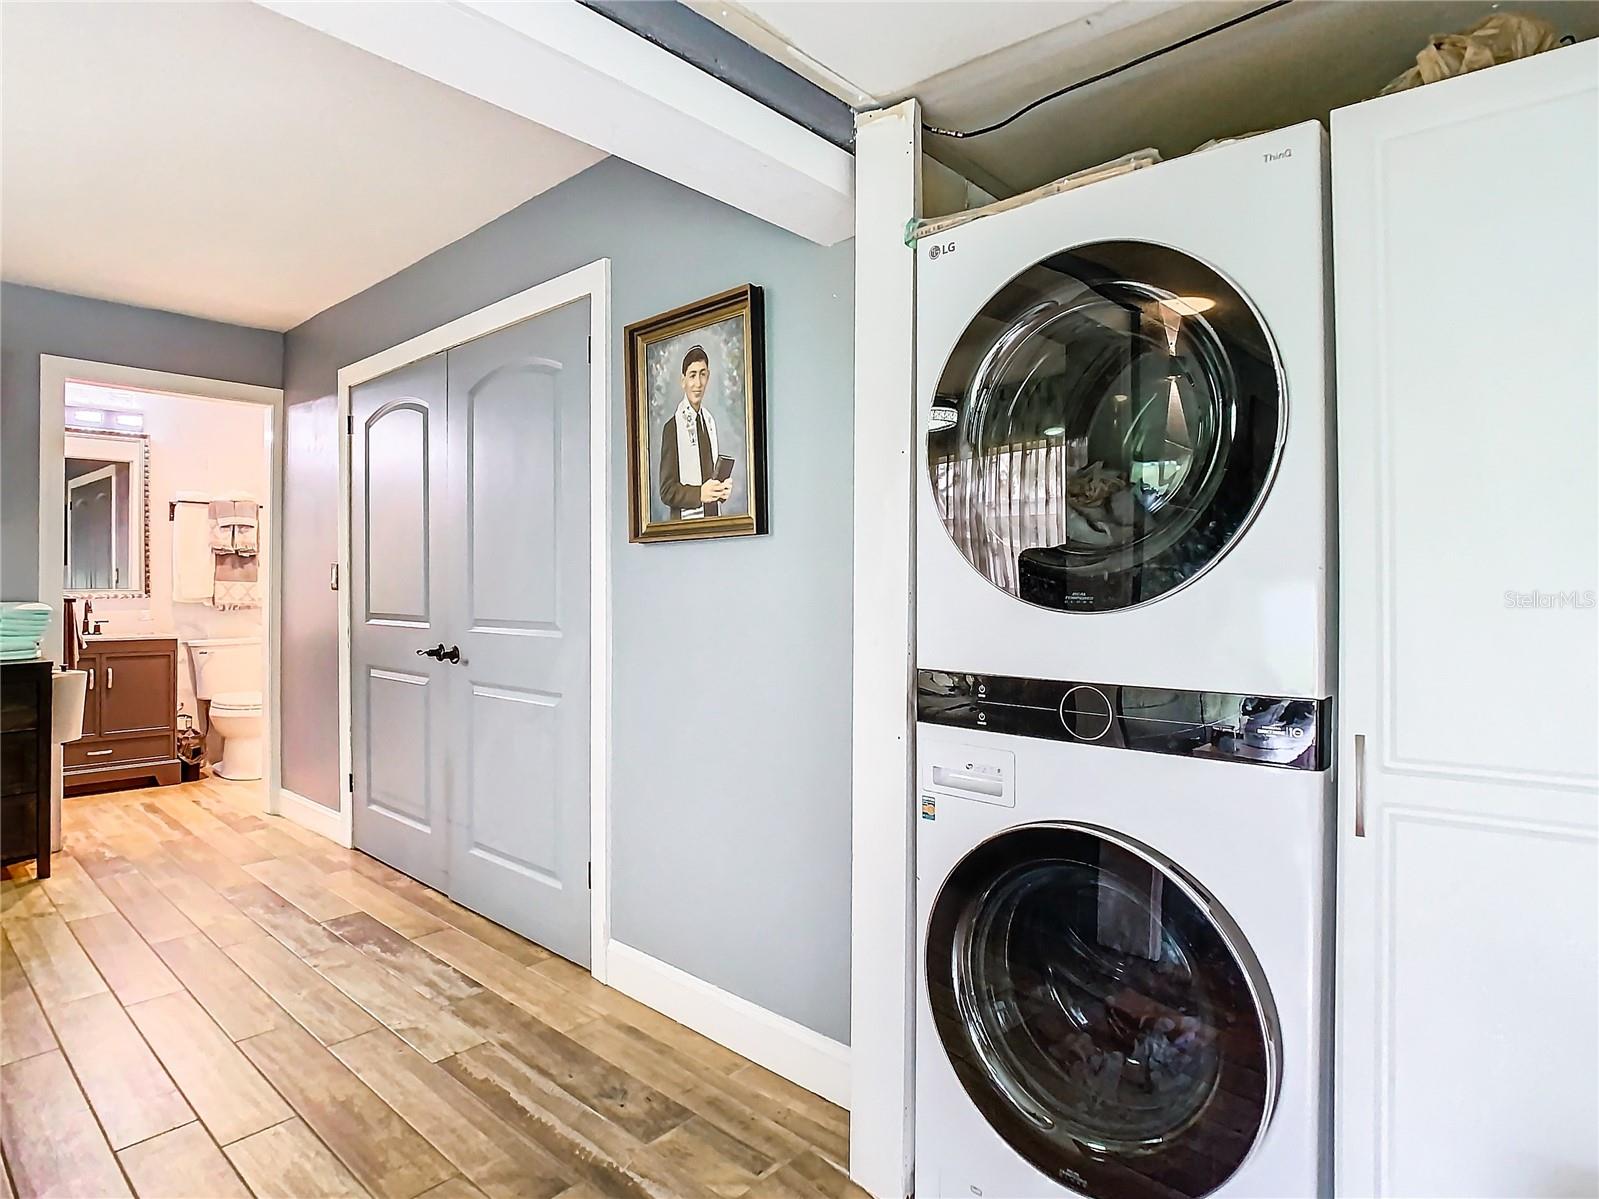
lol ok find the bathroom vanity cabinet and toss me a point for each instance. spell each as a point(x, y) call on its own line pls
point(26, 692)
point(130, 734)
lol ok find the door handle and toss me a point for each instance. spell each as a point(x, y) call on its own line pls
point(451, 655)
point(1360, 784)
point(437, 652)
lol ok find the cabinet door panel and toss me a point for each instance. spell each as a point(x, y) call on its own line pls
point(136, 691)
point(1469, 534)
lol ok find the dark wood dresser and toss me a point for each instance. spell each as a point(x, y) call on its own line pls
point(26, 696)
point(130, 721)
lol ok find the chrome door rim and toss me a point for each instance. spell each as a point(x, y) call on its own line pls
point(1231, 936)
point(1010, 336)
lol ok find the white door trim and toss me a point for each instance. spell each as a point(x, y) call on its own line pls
point(54, 374)
point(309, 814)
point(883, 945)
point(594, 282)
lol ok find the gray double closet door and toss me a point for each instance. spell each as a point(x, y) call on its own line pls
point(470, 533)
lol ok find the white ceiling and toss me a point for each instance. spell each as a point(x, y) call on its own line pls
point(884, 50)
point(873, 52)
point(219, 160)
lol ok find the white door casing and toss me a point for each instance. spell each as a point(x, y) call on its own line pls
point(1467, 264)
point(882, 944)
point(55, 372)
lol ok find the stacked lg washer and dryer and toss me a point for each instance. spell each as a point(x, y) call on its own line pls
point(1124, 590)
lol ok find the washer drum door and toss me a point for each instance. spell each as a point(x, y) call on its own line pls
point(1102, 1013)
point(1106, 427)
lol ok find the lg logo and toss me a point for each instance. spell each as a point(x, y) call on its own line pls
point(937, 250)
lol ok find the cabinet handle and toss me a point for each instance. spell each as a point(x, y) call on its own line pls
point(97, 753)
point(91, 678)
point(110, 677)
point(1360, 784)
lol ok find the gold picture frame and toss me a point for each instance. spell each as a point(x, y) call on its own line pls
point(696, 420)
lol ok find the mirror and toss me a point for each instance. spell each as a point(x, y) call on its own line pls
point(106, 551)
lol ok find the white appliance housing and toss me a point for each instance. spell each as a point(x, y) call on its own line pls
point(1254, 838)
point(1256, 621)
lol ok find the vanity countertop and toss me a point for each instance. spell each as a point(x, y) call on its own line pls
point(101, 638)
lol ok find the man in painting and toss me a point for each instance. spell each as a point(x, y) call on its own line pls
point(689, 486)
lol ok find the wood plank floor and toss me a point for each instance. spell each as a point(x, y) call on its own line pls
point(205, 1001)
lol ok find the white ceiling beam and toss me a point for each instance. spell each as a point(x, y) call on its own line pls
point(572, 70)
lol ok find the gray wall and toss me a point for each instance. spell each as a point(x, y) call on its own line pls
point(34, 322)
point(730, 810)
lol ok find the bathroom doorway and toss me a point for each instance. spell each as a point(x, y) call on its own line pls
point(159, 499)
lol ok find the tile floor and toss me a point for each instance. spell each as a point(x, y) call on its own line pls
point(208, 1001)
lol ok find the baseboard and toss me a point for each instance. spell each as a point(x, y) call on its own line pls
point(309, 814)
point(799, 1054)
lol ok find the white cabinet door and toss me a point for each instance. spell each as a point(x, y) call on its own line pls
point(1466, 220)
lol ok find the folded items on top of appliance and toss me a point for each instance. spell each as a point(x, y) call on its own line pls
point(917, 230)
point(1497, 38)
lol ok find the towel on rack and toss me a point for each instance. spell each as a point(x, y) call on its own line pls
point(193, 570)
point(234, 525)
point(246, 527)
point(238, 581)
point(72, 644)
point(221, 518)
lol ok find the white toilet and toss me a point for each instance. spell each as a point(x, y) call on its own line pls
point(228, 673)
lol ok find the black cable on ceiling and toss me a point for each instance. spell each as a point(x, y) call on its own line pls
point(1103, 75)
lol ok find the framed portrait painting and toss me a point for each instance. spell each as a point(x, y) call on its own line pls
point(696, 404)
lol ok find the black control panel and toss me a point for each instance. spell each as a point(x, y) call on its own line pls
point(1262, 730)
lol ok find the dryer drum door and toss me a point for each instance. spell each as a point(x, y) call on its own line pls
point(1102, 1013)
point(1106, 427)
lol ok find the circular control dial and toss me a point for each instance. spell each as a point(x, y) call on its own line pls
point(1086, 712)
